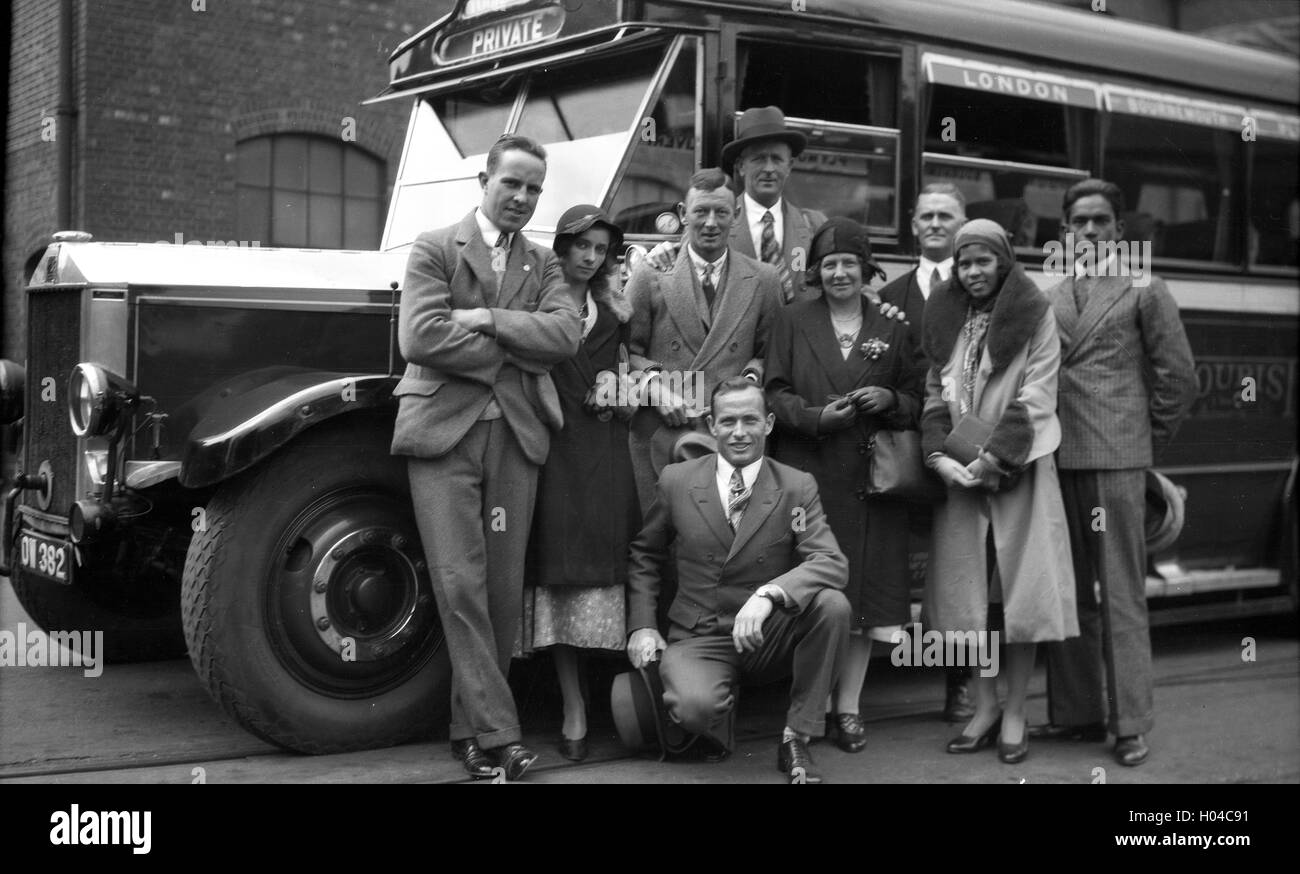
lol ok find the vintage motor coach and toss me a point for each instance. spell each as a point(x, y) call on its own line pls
point(205, 430)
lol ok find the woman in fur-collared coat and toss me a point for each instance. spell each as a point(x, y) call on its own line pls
point(1000, 556)
point(586, 512)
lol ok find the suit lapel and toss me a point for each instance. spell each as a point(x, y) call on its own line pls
point(1067, 319)
point(798, 234)
point(704, 496)
point(731, 309)
point(820, 334)
point(740, 238)
point(679, 297)
point(762, 501)
point(1106, 291)
point(475, 255)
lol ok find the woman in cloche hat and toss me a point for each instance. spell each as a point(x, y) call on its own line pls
point(586, 511)
point(837, 372)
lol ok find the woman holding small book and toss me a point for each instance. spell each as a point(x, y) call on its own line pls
point(1000, 554)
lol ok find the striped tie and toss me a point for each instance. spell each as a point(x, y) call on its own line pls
point(500, 254)
point(770, 252)
point(737, 499)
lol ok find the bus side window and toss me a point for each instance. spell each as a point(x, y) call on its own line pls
point(663, 154)
point(1191, 204)
point(1012, 157)
point(1274, 207)
point(846, 103)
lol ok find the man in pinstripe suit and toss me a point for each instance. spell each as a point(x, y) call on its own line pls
point(1127, 381)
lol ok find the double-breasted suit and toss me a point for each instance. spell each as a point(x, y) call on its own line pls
point(674, 329)
point(804, 368)
point(797, 229)
point(718, 570)
point(1127, 381)
point(473, 416)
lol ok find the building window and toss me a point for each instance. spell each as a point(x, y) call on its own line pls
point(297, 190)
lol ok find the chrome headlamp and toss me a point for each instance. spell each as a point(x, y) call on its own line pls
point(99, 401)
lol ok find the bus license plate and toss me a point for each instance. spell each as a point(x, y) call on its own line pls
point(45, 556)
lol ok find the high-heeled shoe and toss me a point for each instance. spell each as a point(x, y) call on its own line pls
point(964, 743)
point(1013, 753)
point(573, 750)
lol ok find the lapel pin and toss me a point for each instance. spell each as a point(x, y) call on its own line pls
point(527, 267)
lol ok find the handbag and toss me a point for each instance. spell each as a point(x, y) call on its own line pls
point(967, 440)
point(898, 471)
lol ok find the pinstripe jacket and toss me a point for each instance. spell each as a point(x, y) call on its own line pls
point(1127, 377)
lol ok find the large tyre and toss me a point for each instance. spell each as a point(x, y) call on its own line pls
point(307, 607)
point(130, 596)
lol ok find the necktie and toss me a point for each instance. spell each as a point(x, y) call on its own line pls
point(737, 499)
point(769, 251)
point(500, 253)
point(935, 279)
point(707, 282)
point(1081, 289)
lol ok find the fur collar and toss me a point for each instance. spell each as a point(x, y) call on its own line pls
point(603, 293)
point(1016, 314)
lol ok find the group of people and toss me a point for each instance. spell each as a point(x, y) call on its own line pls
point(762, 554)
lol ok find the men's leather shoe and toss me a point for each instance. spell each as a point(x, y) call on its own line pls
point(477, 763)
point(964, 743)
point(957, 706)
point(794, 760)
point(514, 759)
point(573, 750)
point(850, 733)
point(1090, 732)
point(1131, 750)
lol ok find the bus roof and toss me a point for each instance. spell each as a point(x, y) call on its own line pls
point(1083, 39)
point(1079, 39)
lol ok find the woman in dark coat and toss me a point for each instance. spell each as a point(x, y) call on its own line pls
point(838, 371)
point(586, 511)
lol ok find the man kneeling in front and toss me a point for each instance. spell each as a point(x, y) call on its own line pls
point(759, 584)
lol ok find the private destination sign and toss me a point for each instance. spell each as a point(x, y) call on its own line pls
point(501, 34)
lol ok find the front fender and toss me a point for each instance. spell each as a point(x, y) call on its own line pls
point(239, 434)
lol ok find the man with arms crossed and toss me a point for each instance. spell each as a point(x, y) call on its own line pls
point(484, 315)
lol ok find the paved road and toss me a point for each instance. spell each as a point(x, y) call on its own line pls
point(1219, 720)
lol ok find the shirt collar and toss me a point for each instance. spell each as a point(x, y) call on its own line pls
point(698, 262)
point(748, 473)
point(926, 267)
point(1105, 268)
point(489, 231)
point(754, 210)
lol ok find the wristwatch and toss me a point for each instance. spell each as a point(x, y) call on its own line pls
point(776, 599)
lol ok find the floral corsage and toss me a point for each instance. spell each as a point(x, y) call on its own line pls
point(873, 348)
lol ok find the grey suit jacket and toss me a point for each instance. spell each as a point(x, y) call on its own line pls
point(669, 316)
point(1127, 378)
point(717, 569)
point(798, 226)
point(451, 373)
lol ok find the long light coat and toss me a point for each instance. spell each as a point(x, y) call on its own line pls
point(1015, 388)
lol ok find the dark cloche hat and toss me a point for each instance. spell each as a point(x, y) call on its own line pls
point(577, 219)
point(841, 234)
point(761, 123)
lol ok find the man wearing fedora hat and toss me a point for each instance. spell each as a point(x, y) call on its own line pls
point(708, 317)
point(768, 226)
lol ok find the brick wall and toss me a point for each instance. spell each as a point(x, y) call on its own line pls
point(165, 89)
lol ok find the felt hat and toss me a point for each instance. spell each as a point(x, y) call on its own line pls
point(841, 235)
point(761, 123)
point(577, 219)
point(1165, 512)
point(636, 699)
point(671, 445)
